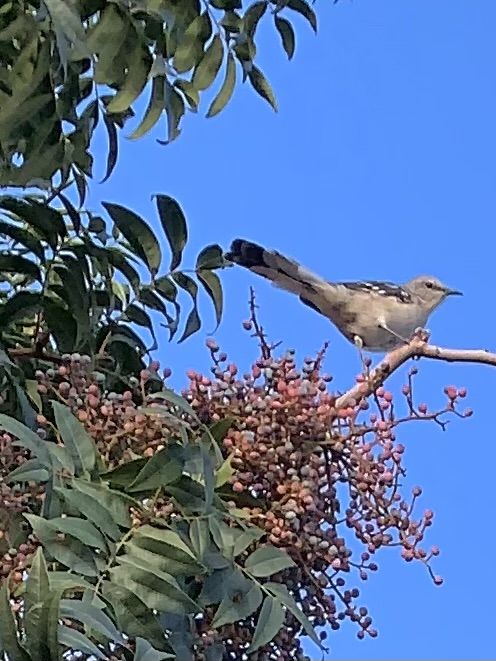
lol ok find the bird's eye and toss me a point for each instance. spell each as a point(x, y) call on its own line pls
point(429, 284)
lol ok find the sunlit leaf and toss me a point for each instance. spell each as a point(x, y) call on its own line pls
point(165, 467)
point(267, 560)
point(261, 85)
point(154, 110)
point(208, 67)
point(226, 91)
point(76, 439)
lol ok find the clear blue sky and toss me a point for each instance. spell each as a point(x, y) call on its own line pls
point(380, 164)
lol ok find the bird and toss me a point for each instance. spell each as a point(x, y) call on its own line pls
point(377, 316)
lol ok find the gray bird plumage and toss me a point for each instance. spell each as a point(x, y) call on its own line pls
point(376, 315)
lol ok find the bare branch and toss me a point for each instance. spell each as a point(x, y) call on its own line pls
point(396, 358)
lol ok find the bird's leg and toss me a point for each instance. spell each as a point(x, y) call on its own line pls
point(358, 342)
point(384, 326)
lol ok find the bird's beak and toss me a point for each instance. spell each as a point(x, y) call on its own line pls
point(453, 292)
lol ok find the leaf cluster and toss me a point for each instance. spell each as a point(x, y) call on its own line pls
point(67, 66)
point(74, 281)
point(112, 577)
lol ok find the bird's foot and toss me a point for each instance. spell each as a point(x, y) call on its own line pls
point(422, 334)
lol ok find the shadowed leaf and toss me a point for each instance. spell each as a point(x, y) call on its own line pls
point(137, 233)
point(174, 224)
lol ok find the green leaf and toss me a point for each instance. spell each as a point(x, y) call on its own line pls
point(148, 536)
point(226, 4)
point(24, 237)
point(47, 222)
point(91, 616)
point(124, 474)
point(113, 147)
point(70, 551)
point(37, 588)
point(287, 35)
point(267, 560)
point(34, 395)
point(252, 17)
point(76, 439)
point(121, 263)
point(199, 536)
point(305, 10)
point(189, 92)
point(269, 623)
point(137, 233)
point(224, 473)
point(61, 580)
point(175, 228)
point(208, 67)
point(9, 641)
point(166, 288)
point(71, 212)
point(139, 63)
point(51, 605)
point(154, 110)
point(146, 652)
point(75, 640)
point(237, 606)
point(115, 502)
point(213, 287)
point(67, 26)
point(92, 509)
point(165, 467)
point(80, 529)
point(281, 592)
point(226, 91)
point(176, 400)
point(157, 589)
point(132, 615)
point(163, 557)
point(247, 537)
point(21, 305)
point(261, 86)
point(211, 257)
point(193, 323)
point(190, 47)
point(224, 536)
point(174, 109)
point(138, 316)
point(30, 471)
point(27, 438)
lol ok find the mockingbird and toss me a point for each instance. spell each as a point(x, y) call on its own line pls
point(374, 315)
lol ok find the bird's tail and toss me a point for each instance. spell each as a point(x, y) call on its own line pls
point(282, 271)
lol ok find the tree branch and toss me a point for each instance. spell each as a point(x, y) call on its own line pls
point(396, 358)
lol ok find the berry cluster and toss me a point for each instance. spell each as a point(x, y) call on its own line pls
point(311, 475)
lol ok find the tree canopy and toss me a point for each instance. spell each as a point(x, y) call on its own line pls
point(138, 523)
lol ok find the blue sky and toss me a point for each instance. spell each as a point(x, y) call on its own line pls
point(380, 164)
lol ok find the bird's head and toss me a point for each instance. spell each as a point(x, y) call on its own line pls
point(430, 290)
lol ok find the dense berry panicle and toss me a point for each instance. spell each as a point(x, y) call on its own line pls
point(322, 479)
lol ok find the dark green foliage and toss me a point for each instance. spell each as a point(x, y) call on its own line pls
point(59, 59)
point(77, 282)
point(133, 579)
